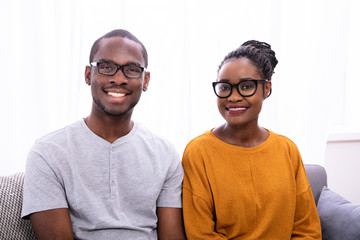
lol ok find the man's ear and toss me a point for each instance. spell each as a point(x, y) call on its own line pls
point(87, 75)
point(146, 81)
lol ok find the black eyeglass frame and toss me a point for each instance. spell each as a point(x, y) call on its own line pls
point(255, 81)
point(121, 67)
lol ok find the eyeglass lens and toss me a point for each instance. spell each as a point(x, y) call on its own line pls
point(109, 68)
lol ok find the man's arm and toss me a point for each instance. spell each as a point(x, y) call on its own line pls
point(170, 224)
point(52, 224)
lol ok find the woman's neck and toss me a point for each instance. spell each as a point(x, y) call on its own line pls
point(243, 136)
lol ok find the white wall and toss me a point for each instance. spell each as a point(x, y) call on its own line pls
point(342, 163)
point(45, 45)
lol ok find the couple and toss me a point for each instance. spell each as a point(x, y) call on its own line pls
point(107, 177)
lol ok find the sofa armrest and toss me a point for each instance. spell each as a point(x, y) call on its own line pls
point(11, 196)
point(317, 178)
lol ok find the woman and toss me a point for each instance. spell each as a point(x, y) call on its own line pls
point(243, 181)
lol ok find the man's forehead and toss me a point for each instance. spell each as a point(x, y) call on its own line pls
point(113, 39)
point(119, 42)
point(119, 46)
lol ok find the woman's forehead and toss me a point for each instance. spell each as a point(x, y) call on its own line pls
point(240, 67)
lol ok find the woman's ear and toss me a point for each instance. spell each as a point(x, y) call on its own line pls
point(268, 89)
point(268, 95)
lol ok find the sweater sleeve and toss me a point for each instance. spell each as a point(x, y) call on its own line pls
point(198, 205)
point(306, 222)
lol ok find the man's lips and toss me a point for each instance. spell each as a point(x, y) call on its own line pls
point(115, 94)
point(117, 91)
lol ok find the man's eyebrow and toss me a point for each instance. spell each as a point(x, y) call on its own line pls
point(244, 79)
point(103, 60)
point(128, 63)
point(133, 64)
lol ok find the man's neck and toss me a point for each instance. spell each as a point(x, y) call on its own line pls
point(109, 128)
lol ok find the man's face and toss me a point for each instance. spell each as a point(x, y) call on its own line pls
point(116, 95)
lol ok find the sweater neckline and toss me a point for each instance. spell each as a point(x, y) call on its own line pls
point(256, 148)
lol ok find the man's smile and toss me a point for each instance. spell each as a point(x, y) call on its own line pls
point(115, 94)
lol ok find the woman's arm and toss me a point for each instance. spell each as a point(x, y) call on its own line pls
point(306, 222)
point(198, 206)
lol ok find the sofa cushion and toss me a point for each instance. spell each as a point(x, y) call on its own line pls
point(340, 219)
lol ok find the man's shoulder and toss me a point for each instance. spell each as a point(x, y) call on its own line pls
point(153, 142)
point(150, 136)
point(61, 134)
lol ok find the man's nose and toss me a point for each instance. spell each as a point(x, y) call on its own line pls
point(119, 78)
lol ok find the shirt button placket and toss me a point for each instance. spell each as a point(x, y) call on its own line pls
point(112, 173)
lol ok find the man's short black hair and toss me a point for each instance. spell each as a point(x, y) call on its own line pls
point(118, 33)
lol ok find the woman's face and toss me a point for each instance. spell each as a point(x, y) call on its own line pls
point(236, 109)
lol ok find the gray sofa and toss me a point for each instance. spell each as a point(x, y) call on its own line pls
point(317, 178)
point(340, 219)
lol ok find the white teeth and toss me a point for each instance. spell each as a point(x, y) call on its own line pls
point(237, 109)
point(114, 94)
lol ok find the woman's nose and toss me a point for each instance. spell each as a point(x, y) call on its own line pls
point(235, 96)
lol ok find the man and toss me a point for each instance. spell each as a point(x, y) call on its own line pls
point(106, 177)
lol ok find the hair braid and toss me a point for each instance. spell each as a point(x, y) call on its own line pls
point(260, 53)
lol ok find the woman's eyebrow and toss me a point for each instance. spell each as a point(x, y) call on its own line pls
point(223, 80)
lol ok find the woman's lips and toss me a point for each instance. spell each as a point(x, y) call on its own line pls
point(236, 109)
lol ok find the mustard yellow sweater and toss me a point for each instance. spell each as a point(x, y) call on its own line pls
point(231, 192)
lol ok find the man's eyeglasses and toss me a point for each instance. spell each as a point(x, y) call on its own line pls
point(246, 87)
point(110, 69)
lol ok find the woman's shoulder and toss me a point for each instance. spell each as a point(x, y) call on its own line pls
point(201, 143)
point(281, 138)
point(283, 143)
point(201, 139)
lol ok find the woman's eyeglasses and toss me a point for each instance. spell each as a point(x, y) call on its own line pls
point(246, 87)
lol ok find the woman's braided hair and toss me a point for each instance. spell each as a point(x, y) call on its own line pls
point(260, 53)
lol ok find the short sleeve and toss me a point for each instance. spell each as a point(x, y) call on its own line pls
point(170, 194)
point(43, 188)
